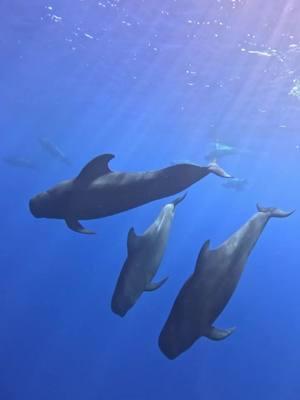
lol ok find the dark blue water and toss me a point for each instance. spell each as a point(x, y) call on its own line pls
point(153, 83)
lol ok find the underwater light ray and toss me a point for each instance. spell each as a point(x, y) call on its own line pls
point(245, 96)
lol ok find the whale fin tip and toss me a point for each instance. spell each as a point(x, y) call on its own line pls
point(179, 199)
point(219, 334)
point(75, 226)
point(151, 286)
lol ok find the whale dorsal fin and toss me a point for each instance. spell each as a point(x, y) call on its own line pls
point(132, 240)
point(203, 252)
point(97, 167)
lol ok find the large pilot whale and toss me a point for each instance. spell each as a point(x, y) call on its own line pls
point(145, 254)
point(99, 192)
point(206, 293)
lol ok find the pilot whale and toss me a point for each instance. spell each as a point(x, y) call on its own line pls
point(99, 192)
point(206, 293)
point(54, 151)
point(20, 162)
point(145, 254)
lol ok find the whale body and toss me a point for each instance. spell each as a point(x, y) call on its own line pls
point(145, 254)
point(99, 192)
point(206, 293)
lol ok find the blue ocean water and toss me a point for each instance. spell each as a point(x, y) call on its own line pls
point(153, 83)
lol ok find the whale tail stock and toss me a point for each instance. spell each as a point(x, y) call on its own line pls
point(214, 168)
point(274, 212)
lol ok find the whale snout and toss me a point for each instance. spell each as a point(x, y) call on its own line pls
point(118, 306)
point(36, 205)
point(123, 299)
point(168, 346)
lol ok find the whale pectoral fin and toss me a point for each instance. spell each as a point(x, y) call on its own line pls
point(94, 169)
point(219, 334)
point(74, 225)
point(151, 286)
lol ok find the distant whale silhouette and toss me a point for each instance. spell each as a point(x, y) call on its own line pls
point(54, 151)
point(206, 293)
point(145, 254)
point(238, 184)
point(98, 192)
point(19, 162)
point(219, 150)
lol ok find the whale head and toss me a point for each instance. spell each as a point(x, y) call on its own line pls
point(126, 292)
point(52, 203)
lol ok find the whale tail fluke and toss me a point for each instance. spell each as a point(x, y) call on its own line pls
point(214, 168)
point(274, 212)
point(179, 200)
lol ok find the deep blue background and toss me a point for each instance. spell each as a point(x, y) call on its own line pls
point(153, 82)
